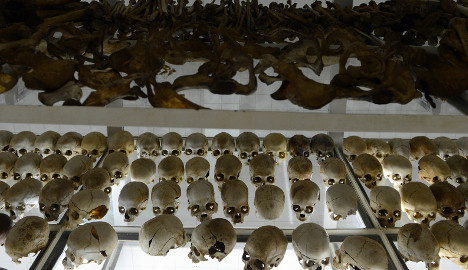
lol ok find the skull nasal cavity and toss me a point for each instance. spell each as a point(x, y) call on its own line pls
point(217, 247)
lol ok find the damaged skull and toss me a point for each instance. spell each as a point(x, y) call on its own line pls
point(197, 144)
point(147, 145)
point(276, 145)
point(75, 168)
point(417, 243)
point(165, 197)
point(121, 141)
point(341, 201)
point(385, 202)
point(45, 143)
point(360, 252)
point(86, 204)
point(299, 168)
point(171, 144)
point(97, 178)
point(418, 202)
point(222, 144)
point(317, 255)
point(235, 196)
point(52, 167)
point(227, 167)
point(398, 170)
point(299, 145)
point(322, 146)
point(93, 145)
point(54, 198)
point(353, 146)
point(69, 145)
point(201, 200)
point(161, 234)
point(133, 199)
point(304, 195)
point(433, 169)
point(269, 201)
point(171, 168)
point(452, 241)
point(262, 170)
point(197, 168)
point(248, 145)
point(22, 197)
point(264, 249)
point(450, 201)
point(333, 171)
point(143, 170)
point(368, 169)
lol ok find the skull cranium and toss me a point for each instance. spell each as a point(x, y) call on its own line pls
point(447, 147)
point(235, 196)
point(353, 146)
point(54, 198)
point(418, 202)
point(269, 201)
point(165, 197)
point(458, 168)
point(333, 171)
point(97, 178)
point(386, 204)
point(171, 168)
point(28, 165)
point(276, 145)
point(378, 148)
point(94, 145)
point(248, 145)
point(341, 201)
point(161, 234)
point(197, 144)
point(360, 252)
point(148, 145)
point(133, 199)
point(304, 195)
point(22, 143)
point(45, 143)
point(311, 257)
point(87, 204)
point(171, 144)
point(118, 165)
point(397, 169)
point(22, 197)
point(52, 167)
point(69, 145)
point(143, 170)
point(265, 248)
point(400, 147)
point(452, 241)
point(450, 201)
point(7, 164)
point(433, 169)
point(368, 169)
point(201, 200)
point(422, 146)
point(299, 145)
point(75, 168)
point(299, 168)
point(222, 144)
point(417, 243)
point(322, 146)
point(197, 168)
point(227, 167)
point(262, 170)
point(122, 141)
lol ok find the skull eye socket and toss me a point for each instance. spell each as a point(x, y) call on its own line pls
point(189, 180)
point(231, 210)
point(432, 215)
point(269, 153)
point(226, 152)
point(342, 181)
point(68, 153)
point(309, 263)
point(306, 154)
point(408, 177)
point(257, 179)
point(156, 210)
point(155, 153)
point(418, 215)
point(270, 179)
point(282, 154)
point(245, 256)
point(254, 154)
point(397, 213)
point(195, 209)
point(133, 211)
point(245, 209)
point(216, 153)
point(464, 259)
point(21, 207)
point(210, 206)
point(201, 152)
point(95, 152)
point(47, 151)
point(84, 152)
point(326, 261)
point(108, 190)
point(165, 152)
point(294, 180)
point(331, 181)
point(259, 264)
point(309, 209)
point(446, 210)
point(188, 152)
point(379, 177)
point(367, 177)
point(42, 207)
point(16, 176)
point(459, 180)
point(170, 210)
point(76, 179)
point(121, 209)
point(118, 174)
point(383, 213)
point(22, 151)
point(296, 208)
point(54, 207)
point(4, 175)
point(175, 153)
point(396, 177)
point(7, 206)
point(461, 211)
point(219, 177)
point(243, 155)
point(55, 176)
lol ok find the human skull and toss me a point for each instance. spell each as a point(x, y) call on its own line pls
point(94, 145)
point(322, 146)
point(97, 178)
point(341, 201)
point(248, 145)
point(133, 199)
point(269, 201)
point(452, 241)
point(360, 252)
point(227, 167)
point(69, 145)
point(215, 238)
point(264, 249)
point(22, 197)
point(417, 243)
point(75, 168)
point(368, 169)
point(161, 234)
point(91, 242)
point(45, 143)
point(447, 147)
point(52, 167)
point(418, 202)
point(276, 145)
point(165, 197)
point(235, 196)
point(353, 146)
point(397, 169)
point(422, 146)
point(385, 202)
point(311, 257)
point(450, 201)
point(5, 226)
point(86, 204)
point(333, 171)
point(5, 138)
point(201, 200)
point(304, 195)
point(462, 144)
point(29, 235)
point(299, 145)
point(7, 164)
point(147, 145)
point(463, 188)
point(22, 143)
point(171, 168)
point(197, 168)
point(400, 147)
point(28, 165)
point(433, 169)
point(299, 168)
point(458, 168)
point(54, 198)
point(121, 141)
point(3, 189)
point(262, 170)
point(143, 170)
point(222, 144)
point(171, 144)
point(197, 144)
point(118, 165)
point(378, 148)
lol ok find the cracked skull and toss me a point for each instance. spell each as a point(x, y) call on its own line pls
point(360, 252)
point(398, 170)
point(201, 200)
point(269, 201)
point(447, 147)
point(264, 249)
point(262, 170)
point(86, 204)
point(299, 168)
point(161, 234)
point(28, 165)
point(386, 205)
point(433, 169)
point(22, 197)
point(118, 166)
point(75, 168)
point(171, 144)
point(52, 167)
point(276, 145)
point(54, 198)
point(171, 168)
point(341, 201)
point(452, 241)
point(7, 164)
point(458, 168)
point(299, 145)
point(69, 145)
point(143, 170)
point(148, 146)
point(311, 256)
point(450, 201)
point(22, 143)
point(165, 197)
point(333, 171)
point(97, 178)
point(304, 195)
point(422, 146)
point(197, 168)
point(400, 147)
point(121, 141)
point(248, 145)
point(322, 146)
point(133, 199)
point(223, 143)
point(368, 169)
point(45, 143)
point(227, 167)
point(235, 196)
point(378, 148)
point(93, 145)
point(418, 202)
point(196, 144)
point(353, 146)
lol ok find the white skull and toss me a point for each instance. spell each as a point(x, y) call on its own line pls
point(75, 168)
point(400, 147)
point(418, 202)
point(121, 141)
point(97, 178)
point(433, 169)
point(264, 249)
point(353, 146)
point(69, 145)
point(215, 238)
point(333, 171)
point(22, 197)
point(417, 243)
point(147, 145)
point(222, 144)
point(262, 170)
point(3, 189)
point(248, 145)
point(118, 165)
point(398, 170)
point(161, 234)
point(269, 201)
point(197, 168)
point(28, 165)
point(322, 146)
point(422, 146)
point(368, 169)
point(311, 256)
point(378, 148)
point(462, 144)
point(341, 201)
point(52, 167)
point(133, 199)
point(93, 145)
point(360, 252)
point(227, 167)
point(45, 143)
point(143, 170)
point(5, 225)
point(7, 164)
point(29, 235)
point(235, 196)
point(22, 143)
point(299, 145)
point(54, 198)
point(5, 138)
point(304, 195)
point(458, 168)
point(463, 188)
point(447, 147)
point(171, 144)
point(197, 144)
point(201, 200)
point(299, 168)
point(450, 201)
point(86, 204)
point(91, 242)
point(171, 168)
point(452, 241)
point(386, 205)
point(165, 197)
point(276, 145)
